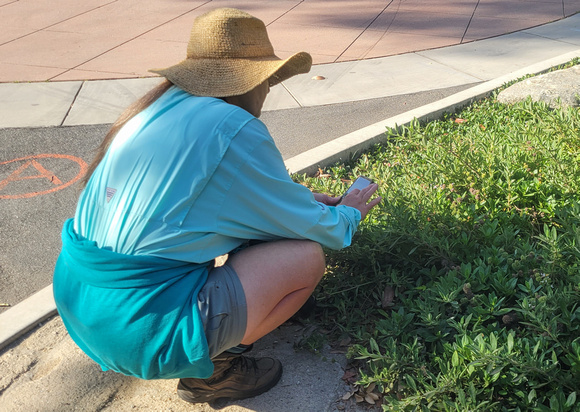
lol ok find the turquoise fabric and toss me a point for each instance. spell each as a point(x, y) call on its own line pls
point(136, 315)
point(187, 180)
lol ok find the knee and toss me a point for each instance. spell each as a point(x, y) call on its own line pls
point(317, 260)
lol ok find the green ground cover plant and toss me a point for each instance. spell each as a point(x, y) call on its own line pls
point(461, 291)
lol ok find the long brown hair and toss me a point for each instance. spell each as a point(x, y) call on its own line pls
point(135, 108)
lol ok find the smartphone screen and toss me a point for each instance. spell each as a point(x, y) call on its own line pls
point(360, 183)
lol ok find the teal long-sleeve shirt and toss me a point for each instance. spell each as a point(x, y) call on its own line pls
point(191, 178)
point(187, 180)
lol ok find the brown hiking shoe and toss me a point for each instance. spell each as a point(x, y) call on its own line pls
point(235, 377)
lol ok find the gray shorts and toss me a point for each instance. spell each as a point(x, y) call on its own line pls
point(222, 305)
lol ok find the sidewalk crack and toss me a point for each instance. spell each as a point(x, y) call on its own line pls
point(291, 95)
point(72, 104)
point(469, 23)
point(129, 40)
point(288, 11)
point(55, 24)
point(366, 28)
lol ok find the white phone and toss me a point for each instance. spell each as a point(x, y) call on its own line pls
point(360, 183)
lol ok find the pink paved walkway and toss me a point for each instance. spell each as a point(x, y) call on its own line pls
point(61, 40)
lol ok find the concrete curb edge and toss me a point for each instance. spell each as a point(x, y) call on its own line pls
point(344, 147)
point(26, 315)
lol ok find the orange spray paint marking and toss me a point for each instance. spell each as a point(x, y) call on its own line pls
point(15, 176)
point(55, 182)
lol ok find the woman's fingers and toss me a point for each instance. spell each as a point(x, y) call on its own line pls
point(326, 199)
point(368, 191)
point(359, 199)
point(374, 202)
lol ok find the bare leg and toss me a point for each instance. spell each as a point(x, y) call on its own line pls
point(277, 277)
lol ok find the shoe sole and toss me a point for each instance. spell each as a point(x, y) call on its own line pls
point(211, 397)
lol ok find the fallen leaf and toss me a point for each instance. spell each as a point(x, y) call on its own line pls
point(320, 173)
point(458, 120)
point(369, 399)
point(358, 398)
point(345, 342)
point(348, 375)
point(388, 296)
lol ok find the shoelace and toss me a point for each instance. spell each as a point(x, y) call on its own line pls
point(243, 363)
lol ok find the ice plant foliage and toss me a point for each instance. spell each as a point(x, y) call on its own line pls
point(462, 289)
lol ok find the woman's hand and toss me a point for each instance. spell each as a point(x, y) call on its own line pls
point(359, 199)
point(326, 199)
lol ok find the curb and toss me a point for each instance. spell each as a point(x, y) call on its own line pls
point(27, 314)
point(344, 147)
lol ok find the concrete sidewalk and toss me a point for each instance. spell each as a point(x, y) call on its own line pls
point(45, 371)
point(375, 49)
point(65, 40)
point(348, 89)
point(101, 101)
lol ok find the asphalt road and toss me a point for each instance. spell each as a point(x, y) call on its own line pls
point(39, 168)
point(30, 226)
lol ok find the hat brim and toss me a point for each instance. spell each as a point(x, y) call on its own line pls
point(233, 77)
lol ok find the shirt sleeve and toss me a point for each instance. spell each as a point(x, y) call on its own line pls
point(264, 203)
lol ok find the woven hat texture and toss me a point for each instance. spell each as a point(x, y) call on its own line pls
point(228, 54)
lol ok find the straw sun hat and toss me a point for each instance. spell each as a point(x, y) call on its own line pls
point(229, 54)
